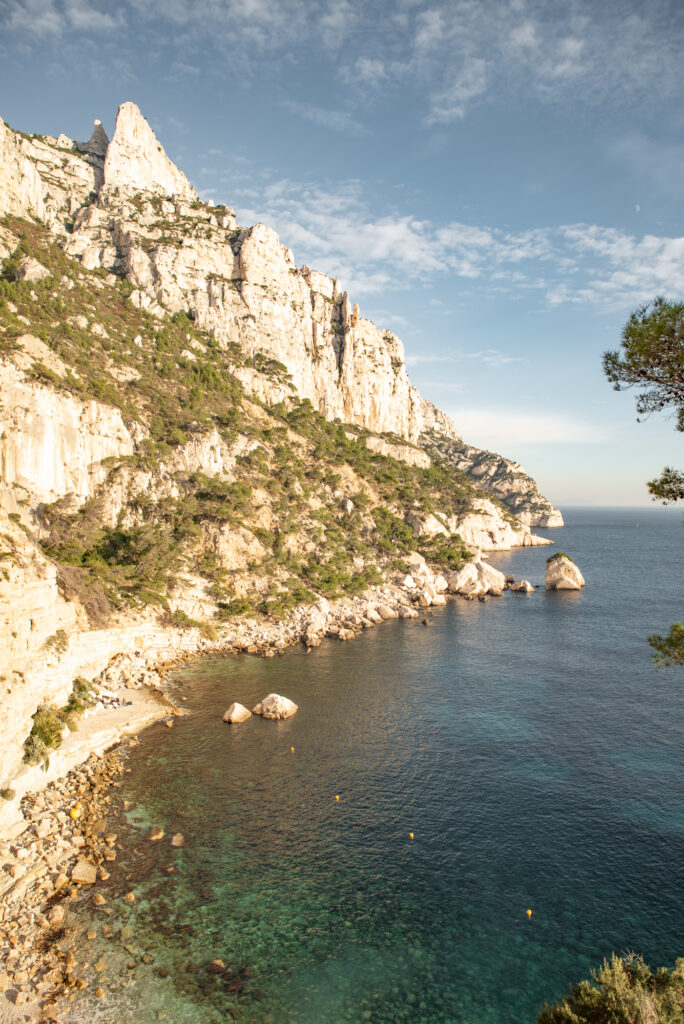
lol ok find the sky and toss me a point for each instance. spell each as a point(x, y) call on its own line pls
point(499, 182)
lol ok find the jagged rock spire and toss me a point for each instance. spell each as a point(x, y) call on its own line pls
point(97, 143)
point(136, 161)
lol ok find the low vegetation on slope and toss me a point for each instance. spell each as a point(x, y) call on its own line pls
point(624, 991)
point(295, 506)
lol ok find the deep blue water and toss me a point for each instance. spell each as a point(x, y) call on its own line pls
point(526, 742)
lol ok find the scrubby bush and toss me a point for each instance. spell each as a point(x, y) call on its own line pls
point(624, 991)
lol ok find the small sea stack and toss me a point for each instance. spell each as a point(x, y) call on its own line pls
point(562, 573)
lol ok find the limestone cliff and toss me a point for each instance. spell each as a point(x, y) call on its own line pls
point(241, 284)
point(194, 431)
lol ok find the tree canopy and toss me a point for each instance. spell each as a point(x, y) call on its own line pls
point(651, 358)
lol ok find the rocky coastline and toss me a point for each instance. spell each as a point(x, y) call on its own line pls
point(57, 845)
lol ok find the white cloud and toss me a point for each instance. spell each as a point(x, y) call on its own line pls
point(334, 230)
point(462, 86)
point(336, 120)
point(500, 428)
point(37, 16)
point(47, 18)
point(450, 54)
point(86, 17)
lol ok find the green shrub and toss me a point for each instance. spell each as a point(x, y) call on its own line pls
point(238, 606)
point(45, 735)
point(624, 991)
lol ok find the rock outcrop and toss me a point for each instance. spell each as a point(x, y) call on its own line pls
point(562, 573)
point(51, 443)
point(476, 580)
point(275, 707)
point(244, 286)
point(236, 714)
point(522, 587)
point(135, 160)
point(143, 496)
point(496, 475)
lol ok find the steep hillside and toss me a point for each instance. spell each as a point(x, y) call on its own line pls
point(200, 444)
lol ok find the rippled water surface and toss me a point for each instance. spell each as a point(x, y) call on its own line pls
point(526, 742)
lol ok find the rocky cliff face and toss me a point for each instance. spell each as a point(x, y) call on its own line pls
point(52, 444)
point(140, 487)
point(241, 284)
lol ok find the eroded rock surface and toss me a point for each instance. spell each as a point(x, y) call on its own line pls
point(562, 573)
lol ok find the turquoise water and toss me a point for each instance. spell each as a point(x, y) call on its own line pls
point(526, 742)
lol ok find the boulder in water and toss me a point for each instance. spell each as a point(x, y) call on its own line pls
point(522, 587)
point(562, 573)
point(275, 707)
point(237, 713)
point(476, 579)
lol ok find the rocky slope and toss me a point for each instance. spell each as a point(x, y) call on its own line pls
point(241, 284)
point(199, 442)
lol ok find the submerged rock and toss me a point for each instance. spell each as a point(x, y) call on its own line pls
point(274, 706)
point(562, 573)
point(237, 713)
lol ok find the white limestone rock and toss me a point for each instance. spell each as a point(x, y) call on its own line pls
point(53, 444)
point(236, 713)
point(477, 579)
point(425, 525)
point(522, 587)
point(275, 707)
point(562, 573)
point(31, 270)
point(136, 161)
point(485, 528)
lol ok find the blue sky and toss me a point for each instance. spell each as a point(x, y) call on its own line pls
point(499, 182)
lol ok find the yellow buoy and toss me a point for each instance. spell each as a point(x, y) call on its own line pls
point(529, 913)
point(410, 835)
point(75, 811)
point(337, 799)
point(292, 750)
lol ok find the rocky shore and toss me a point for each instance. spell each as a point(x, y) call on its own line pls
point(58, 845)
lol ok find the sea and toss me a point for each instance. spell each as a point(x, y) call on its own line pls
point(462, 820)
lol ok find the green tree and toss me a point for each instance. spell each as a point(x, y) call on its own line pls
point(624, 991)
point(651, 358)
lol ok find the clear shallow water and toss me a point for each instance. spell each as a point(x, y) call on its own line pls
point(528, 744)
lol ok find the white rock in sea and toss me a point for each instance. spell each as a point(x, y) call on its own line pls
point(522, 587)
point(274, 706)
point(562, 573)
point(236, 713)
point(477, 579)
